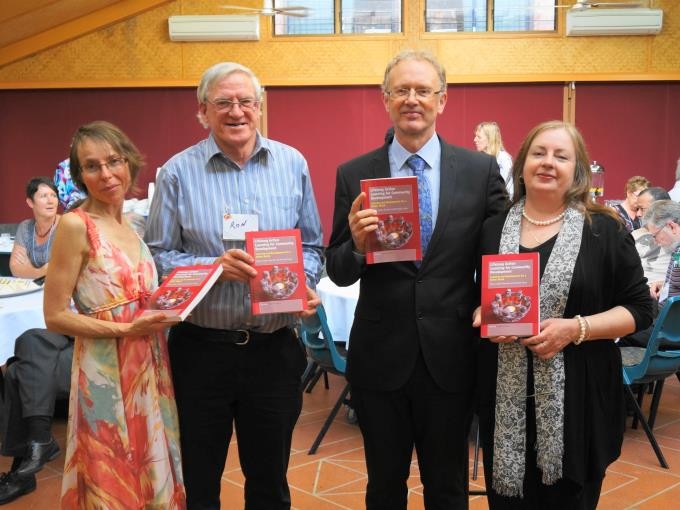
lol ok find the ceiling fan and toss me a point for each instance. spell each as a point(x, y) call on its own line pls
point(580, 5)
point(268, 9)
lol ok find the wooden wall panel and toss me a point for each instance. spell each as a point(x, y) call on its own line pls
point(137, 52)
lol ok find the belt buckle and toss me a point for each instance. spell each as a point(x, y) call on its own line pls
point(246, 333)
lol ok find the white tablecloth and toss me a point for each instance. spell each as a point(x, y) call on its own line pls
point(339, 303)
point(17, 314)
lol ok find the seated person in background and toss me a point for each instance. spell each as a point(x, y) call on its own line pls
point(488, 139)
point(662, 220)
point(654, 258)
point(627, 209)
point(69, 193)
point(674, 192)
point(38, 373)
point(34, 237)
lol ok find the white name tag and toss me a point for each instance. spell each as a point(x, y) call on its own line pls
point(235, 226)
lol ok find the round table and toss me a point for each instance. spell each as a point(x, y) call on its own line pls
point(339, 303)
point(17, 314)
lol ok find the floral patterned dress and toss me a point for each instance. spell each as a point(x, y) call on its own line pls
point(123, 447)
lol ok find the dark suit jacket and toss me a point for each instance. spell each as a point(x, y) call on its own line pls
point(402, 306)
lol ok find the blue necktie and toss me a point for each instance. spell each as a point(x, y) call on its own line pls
point(417, 164)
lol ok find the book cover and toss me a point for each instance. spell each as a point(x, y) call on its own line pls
point(398, 235)
point(182, 290)
point(280, 284)
point(510, 295)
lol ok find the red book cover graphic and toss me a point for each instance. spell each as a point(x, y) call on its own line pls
point(510, 295)
point(280, 284)
point(182, 290)
point(398, 235)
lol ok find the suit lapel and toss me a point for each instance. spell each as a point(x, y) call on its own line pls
point(381, 164)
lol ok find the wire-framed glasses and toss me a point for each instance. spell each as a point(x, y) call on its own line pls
point(226, 105)
point(113, 163)
point(422, 94)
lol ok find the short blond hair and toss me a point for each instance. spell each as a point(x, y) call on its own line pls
point(637, 182)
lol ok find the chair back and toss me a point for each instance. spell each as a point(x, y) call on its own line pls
point(317, 337)
point(656, 364)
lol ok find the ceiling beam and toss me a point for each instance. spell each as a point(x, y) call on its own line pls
point(78, 27)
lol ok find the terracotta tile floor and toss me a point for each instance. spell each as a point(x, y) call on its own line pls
point(335, 478)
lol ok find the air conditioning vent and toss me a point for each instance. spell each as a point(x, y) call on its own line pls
point(640, 21)
point(214, 28)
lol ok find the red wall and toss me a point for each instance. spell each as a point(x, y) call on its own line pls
point(37, 125)
point(333, 124)
point(629, 128)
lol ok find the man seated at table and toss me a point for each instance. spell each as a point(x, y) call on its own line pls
point(37, 374)
point(662, 220)
point(654, 258)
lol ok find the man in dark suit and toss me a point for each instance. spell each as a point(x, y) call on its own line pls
point(37, 374)
point(411, 358)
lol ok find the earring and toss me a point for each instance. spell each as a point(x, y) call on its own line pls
point(521, 179)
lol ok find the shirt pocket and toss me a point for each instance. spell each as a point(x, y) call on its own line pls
point(277, 212)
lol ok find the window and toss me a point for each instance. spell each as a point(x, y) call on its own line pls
point(489, 15)
point(340, 16)
point(320, 18)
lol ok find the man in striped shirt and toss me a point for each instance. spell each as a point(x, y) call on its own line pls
point(231, 368)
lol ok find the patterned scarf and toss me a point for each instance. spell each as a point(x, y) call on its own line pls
point(511, 382)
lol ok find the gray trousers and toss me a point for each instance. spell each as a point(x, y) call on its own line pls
point(37, 374)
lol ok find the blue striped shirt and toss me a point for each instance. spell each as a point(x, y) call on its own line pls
point(193, 191)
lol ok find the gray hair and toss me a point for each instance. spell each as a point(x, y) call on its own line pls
point(677, 171)
point(216, 73)
point(221, 70)
point(420, 55)
point(661, 212)
point(656, 193)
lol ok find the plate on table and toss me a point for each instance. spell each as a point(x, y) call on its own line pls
point(10, 286)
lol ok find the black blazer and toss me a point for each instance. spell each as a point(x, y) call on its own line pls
point(402, 307)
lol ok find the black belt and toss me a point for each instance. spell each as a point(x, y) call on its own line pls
point(228, 336)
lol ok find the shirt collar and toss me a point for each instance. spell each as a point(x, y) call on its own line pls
point(262, 144)
point(428, 152)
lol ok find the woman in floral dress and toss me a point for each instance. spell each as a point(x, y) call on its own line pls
point(122, 447)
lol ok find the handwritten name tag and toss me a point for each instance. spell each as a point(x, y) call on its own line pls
point(235, 226)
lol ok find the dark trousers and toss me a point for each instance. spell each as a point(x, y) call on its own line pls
point(423, 415)
point(254, 388)
point(37, 374)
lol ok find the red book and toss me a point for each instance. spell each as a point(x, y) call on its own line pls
point(510, 295)
point(398, 235)
point(182, 290)
point(280, 285)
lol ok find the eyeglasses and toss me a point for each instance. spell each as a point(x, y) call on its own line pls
point(422, 94)
point(225, 105)
point(658, 231)
point(113, 163)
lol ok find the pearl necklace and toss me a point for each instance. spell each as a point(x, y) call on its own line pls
point(543, 223)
